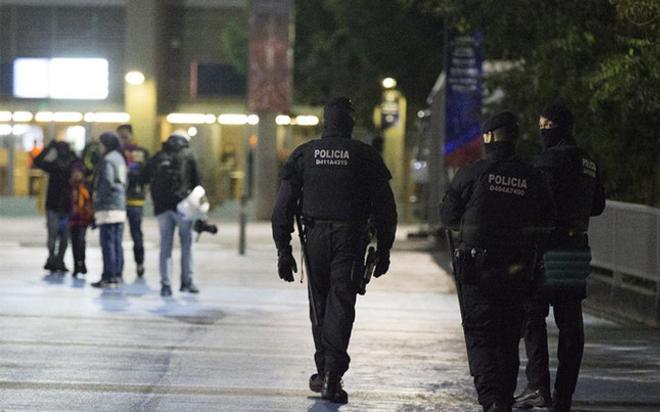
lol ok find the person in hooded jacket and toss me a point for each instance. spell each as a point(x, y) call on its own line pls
point(336, 184)
point(109, 199)
point(56, 160)
point(172, 174)
point(574, 180)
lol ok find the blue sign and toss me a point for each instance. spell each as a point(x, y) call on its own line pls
point(463, 103)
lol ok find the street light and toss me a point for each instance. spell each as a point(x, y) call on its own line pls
point(134, 77)
point(389, 83)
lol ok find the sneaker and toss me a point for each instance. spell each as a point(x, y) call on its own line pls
point(531, 398)
point(140, 270)
point(165, 291)
point(60, 266)
point(104, 284)
point(50, 264)
point(79, 268)
point(316, 382)
point(332, 389)
point(188, 287)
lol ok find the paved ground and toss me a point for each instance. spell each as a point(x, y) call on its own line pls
point(244, 343)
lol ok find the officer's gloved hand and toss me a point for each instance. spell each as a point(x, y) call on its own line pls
point(383, 263)
point(286, 264)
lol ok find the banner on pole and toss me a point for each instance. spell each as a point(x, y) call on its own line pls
point(271, 56)
point(463, 100)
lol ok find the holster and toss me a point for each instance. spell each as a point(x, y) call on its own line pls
point(469, 262)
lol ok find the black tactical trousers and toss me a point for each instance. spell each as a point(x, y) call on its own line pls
point(568, 317)
point(492, 320)
point(332, 250)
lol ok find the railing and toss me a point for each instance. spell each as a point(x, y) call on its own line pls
point(625, 245)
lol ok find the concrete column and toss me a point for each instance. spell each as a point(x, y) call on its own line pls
point(437, 175)
point(141, 53)
point(265, 167)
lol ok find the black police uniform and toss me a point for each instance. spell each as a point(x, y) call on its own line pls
point(501, 207)
point(574, 181)
point(339, 183)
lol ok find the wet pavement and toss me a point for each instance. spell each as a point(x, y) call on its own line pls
point(244, 343)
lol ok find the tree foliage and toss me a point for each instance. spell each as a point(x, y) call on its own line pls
point(600, 58)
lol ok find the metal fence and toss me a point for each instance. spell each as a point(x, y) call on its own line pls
point(625, 245)
point(626, 239)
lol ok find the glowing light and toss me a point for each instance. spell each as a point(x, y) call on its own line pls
point(5, 129)
point(232, 119)
point(134, 77)
point(5, 116)
point(19, 129)
point(307, 120)
point(253, 119)
point(107, 117)
point(187, 118)
point(389, 83)
point(78, 78)
point(209, 118)
point(283, 120)
point(21, 117)
point(60, 117)
point(192, 131)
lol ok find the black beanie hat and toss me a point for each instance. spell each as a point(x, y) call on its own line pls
point(560, 115)
point(506, 120)
point(338, 115)
point(110, 141)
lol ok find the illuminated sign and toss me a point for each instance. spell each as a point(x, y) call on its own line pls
point(61, 78)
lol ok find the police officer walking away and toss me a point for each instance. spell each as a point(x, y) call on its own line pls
point(336, 184)
point(502, 208)
point(575, 184)
point(136, 159)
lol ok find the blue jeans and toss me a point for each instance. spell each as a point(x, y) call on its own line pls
point(113, 254)
point(167, 222)
point(134, 214)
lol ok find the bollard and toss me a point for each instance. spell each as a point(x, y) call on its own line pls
point(242, 223)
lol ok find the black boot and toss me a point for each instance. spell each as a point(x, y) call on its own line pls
point(498, 407)
point(316, 383)
point(50, 264)
point(332, 389)
point(561, 403)
point(531, 398)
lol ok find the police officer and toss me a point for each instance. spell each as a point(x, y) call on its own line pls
point(337, 184)
point(502, 208)
point(574, 180)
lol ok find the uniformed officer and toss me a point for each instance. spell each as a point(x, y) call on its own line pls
point(337, 184)
point(574, 180)
point(502, 208)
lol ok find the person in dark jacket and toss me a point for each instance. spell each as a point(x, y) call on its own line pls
point(136, 159)
point(56, 160)
point(173, 174)
point(336, 184)
point(574, 179)
point(109, 198)
point(502, 209)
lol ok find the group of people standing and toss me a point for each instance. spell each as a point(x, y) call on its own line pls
point(106, 186)
point(522, 247)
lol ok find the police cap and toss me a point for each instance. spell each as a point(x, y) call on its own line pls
point(504, 120)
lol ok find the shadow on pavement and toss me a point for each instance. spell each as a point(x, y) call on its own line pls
point(320, 405)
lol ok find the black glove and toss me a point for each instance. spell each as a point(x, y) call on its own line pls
point(286, 264)
point(383, 263)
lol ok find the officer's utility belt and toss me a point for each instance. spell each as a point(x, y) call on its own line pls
point(310, 222)
point(468, 262)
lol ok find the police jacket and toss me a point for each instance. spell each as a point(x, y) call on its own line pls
point(136, 159)
point(499, 204)
point(172, 174)
point(574, 181)
point(339, 179)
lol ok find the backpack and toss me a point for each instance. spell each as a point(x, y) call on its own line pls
point(167, 182)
